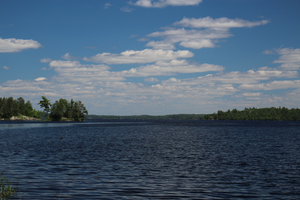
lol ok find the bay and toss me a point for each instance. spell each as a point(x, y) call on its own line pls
point(152, 159)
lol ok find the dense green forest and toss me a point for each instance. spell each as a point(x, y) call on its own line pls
point(150, 117)
point(59, 110)
point(257, 114)
point(14, 107)
point(64, 110)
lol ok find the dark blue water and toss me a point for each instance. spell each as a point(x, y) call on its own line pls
point(152, 160)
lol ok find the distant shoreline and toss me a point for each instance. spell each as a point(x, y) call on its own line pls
point(149, 117)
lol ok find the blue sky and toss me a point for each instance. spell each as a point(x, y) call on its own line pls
point(152, 56)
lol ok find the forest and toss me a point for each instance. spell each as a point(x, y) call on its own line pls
point(64, 110)
point(15, 107)
point(61, 110)
point(272, 113)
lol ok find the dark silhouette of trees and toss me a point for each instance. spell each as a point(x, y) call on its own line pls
point(73, 110)
point(14, 107)
point(45, 103)
point(79, 111)
point(257, 114)
point(61, 109)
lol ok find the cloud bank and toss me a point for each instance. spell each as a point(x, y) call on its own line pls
point(104, 88)
point(163, 79)
point(202, 32)
point(144, 56)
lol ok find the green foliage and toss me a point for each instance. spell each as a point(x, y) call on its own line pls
point(257, 114)
point(14, 107)
point(36, 114)
point(45, 103)
point(79, 111)
point(6, 189)
point(21, 103)
point(56, 111)
point(72, 110)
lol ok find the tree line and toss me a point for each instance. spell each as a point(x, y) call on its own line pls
point(63, 109)
point(59, 110)
point(257, 114)
point(14, 107)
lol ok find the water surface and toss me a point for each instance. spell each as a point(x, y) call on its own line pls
point(152, 160)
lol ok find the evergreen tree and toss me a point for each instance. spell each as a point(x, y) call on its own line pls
point(28, 108)
point(56, 111)
point(21, 103)
point(45, 103)
point(79, 111)
point(71, 110)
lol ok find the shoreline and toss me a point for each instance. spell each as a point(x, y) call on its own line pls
point(20, 118)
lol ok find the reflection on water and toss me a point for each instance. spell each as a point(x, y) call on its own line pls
point(153, 160)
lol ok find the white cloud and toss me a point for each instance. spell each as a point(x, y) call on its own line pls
point(108, 95)
point(205, 32)
point(40, 79)
point(46, 60)
point(198, 43)
point(61, 63)
point(168, 68)
point(274, 85)
point(16, 45)
point(290, 66)
point(252, 94)
point(108, 91)
point(290, 58)
point(73, 71)
point(68, 57)
point(151, 79)
point(160, 45)
point(5, 67)
point(144, 56)
point(223, 22)
point(164, 3)
point(176, 35)
point(288, 55)
point(248, 77)
point(189, 38)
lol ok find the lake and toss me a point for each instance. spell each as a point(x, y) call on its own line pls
point(152, 159)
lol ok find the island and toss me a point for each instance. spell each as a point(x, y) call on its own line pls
point(60, 110)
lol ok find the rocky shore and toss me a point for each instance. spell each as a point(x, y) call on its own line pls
point(22, 118)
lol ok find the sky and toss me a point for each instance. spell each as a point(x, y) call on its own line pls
point(155, 57)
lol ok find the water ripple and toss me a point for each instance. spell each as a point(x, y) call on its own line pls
point(153, 160)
